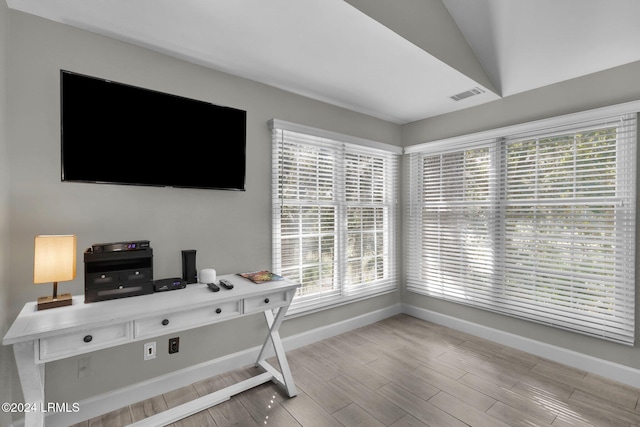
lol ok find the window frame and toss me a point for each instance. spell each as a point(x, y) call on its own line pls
point(499, 138)
point(351, 155)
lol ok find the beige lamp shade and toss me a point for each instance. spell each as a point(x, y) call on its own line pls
point(55, 259)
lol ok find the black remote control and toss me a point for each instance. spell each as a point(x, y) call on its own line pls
point(226, 284)
point(213, 287)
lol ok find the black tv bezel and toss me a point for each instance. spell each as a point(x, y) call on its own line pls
point(64, 178)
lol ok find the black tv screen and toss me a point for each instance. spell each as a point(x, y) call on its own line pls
point(120, 134)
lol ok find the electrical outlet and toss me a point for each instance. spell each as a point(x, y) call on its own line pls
point(150, 350)
point(174, 345)
point(84, 367)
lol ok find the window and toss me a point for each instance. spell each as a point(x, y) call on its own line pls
point(538, 224)
point(334, 214)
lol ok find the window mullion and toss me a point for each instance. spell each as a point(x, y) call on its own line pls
point(341, 220)
point(499, 212)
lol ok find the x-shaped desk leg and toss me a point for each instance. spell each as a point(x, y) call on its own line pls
point(283, 377)
point(32, 380)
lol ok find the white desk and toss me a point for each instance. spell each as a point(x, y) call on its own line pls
point(43, 336)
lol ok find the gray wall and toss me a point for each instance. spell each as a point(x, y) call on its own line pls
point(605, 88)
point(5, 352)
point(230, 230)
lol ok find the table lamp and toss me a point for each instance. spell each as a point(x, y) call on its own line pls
point(54, 261)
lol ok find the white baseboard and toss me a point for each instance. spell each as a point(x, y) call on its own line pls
point(614, 371)
point(107, 402)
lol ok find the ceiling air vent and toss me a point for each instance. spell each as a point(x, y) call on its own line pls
point(467, 94)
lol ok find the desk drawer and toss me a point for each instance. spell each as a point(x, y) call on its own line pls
point(82, 342)
point(264, 302)
point(164, 324)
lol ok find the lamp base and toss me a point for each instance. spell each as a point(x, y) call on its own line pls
point(51, 302)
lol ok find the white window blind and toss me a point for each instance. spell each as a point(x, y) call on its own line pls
point(540, 225)
point(334, 216)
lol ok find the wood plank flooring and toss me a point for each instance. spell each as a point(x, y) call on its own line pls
point(405, 372)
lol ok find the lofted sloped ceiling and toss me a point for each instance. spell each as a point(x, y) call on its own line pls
point(400, 60)
point(524, 45)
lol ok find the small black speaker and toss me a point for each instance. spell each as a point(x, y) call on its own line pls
point(189, 272)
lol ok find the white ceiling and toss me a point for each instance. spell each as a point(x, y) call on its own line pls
point(524, 45)
point(400, 61)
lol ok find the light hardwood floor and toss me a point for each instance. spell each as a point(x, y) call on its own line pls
point(405, 372)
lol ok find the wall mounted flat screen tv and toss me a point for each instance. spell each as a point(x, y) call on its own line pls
point(121, 134)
